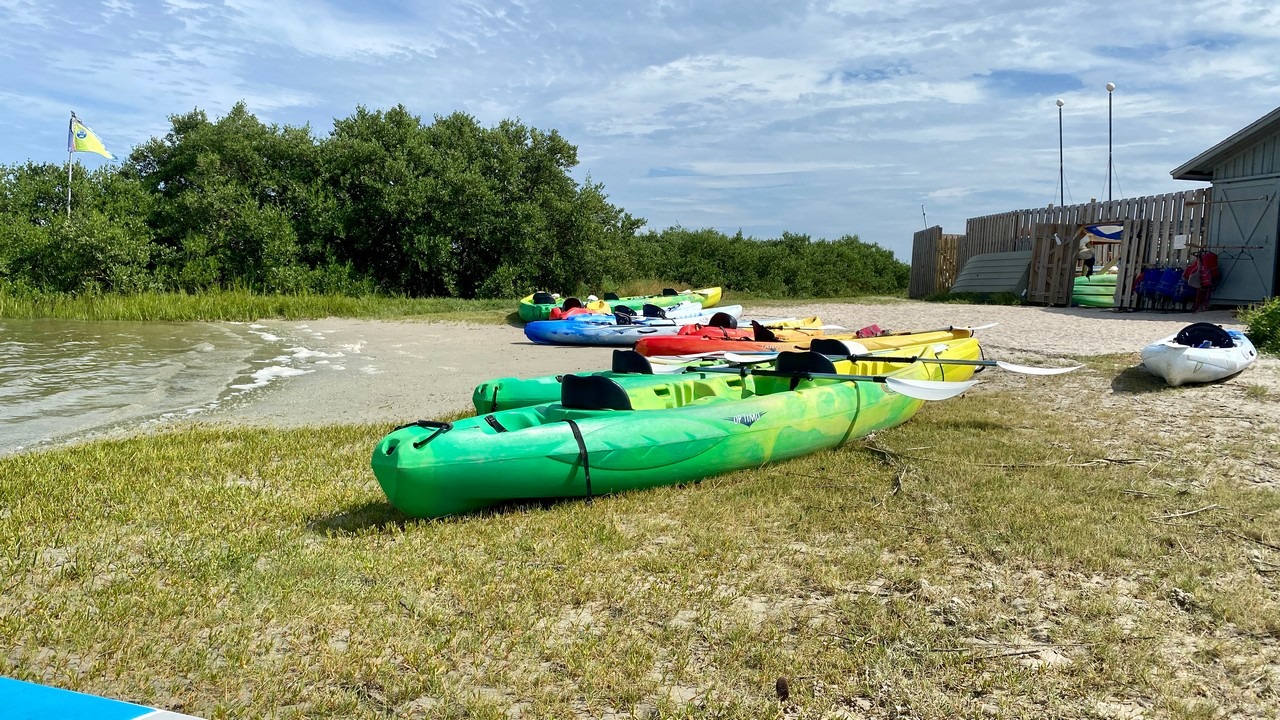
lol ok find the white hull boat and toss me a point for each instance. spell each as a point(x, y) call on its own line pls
point(1199, 353)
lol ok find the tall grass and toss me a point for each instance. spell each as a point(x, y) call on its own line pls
point(242, 305)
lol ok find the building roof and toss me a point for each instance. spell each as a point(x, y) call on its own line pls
point(1201, 166)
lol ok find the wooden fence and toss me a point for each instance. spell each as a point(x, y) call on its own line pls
point(933, 262)
point(1159, 231)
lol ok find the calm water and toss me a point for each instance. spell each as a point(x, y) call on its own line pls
point(63, 379)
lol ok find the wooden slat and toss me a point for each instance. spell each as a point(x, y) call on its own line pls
point(1150, 224)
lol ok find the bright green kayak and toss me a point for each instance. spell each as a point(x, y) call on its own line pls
point(1094, 291)
point(601, 438)
point(635, 372)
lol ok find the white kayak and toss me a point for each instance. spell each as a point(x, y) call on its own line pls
point(608, 331)
point(1199, 353)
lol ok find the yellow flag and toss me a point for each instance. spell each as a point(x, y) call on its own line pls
point(81, 139)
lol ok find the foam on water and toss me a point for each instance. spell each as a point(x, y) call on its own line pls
point(65, 380)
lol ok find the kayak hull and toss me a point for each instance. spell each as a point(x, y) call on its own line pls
point(1179, 364)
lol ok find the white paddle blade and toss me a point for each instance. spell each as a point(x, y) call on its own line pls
point(748, 358)
point(1030, 370)
point(928, 389)
point(974, 328)
point(661, 369)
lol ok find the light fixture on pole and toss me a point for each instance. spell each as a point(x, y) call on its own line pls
point(1110, 89)
point(1062, 190)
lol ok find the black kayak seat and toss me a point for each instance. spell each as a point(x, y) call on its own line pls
point(593, 392)
point(653, 311)
point(630, 361)
point(542, 298)
point(723, 320)
point(762, 333)
point(828, 346)
point(1197, 334)
point(610, 296)
point(621, 318)
point(571, 303)
point(669, 291)
point(803, 362)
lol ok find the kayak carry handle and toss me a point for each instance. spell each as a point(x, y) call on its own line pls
point(440, 427)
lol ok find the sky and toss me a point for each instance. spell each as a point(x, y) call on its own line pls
point(843, 117)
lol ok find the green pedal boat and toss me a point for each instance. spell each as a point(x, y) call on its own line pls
point(603, 438)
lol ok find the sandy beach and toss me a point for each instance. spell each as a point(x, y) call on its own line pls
point(395, 372)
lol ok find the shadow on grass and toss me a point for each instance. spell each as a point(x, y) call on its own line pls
point(382, 516)
point(1135, 381)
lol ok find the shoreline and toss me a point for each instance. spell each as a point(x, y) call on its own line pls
point(398, 371)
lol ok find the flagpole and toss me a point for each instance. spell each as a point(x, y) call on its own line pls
point(70, 147)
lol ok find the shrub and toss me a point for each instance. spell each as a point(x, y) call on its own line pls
point(1263, 322)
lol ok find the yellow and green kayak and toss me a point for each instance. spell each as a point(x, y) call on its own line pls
point(602, 438)
point(632, 369)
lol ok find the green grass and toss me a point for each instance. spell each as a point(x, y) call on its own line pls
point(245, 306)
point(972, 561)
point(239, 305)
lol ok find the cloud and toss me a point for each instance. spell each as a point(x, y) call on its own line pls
point(826, 119)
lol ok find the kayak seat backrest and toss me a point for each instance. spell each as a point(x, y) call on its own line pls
point(723, 320)
point(762, 333)
point(593, 392)
point(630, 361)
point(653, 311)
point(828, 346)
point(542, 298)
point(1196, 334)
point(623, 318)
point(571, 303)
point(669, 291)
point(611, 296)
point(803, 362)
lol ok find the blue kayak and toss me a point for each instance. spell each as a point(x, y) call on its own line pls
point(28, 701)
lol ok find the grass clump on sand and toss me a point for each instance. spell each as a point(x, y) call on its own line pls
point(986, 558)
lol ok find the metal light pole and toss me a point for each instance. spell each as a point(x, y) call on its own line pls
point(1062, 189)
point(1110, 89)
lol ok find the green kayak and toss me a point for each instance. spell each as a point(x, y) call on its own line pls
point(601, 438)
point(634, 372)
point(1095, 290)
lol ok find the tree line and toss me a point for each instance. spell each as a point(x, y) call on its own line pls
point(384, 204)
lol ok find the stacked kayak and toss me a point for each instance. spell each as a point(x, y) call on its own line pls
point(783, 339)
point(1199, 353)
point(544, 305)
point(601, 437)
point(707, 297)
point(1095, 290)
point(622, 329)
point(539, 305)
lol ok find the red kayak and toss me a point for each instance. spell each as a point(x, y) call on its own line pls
point(778, 340)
